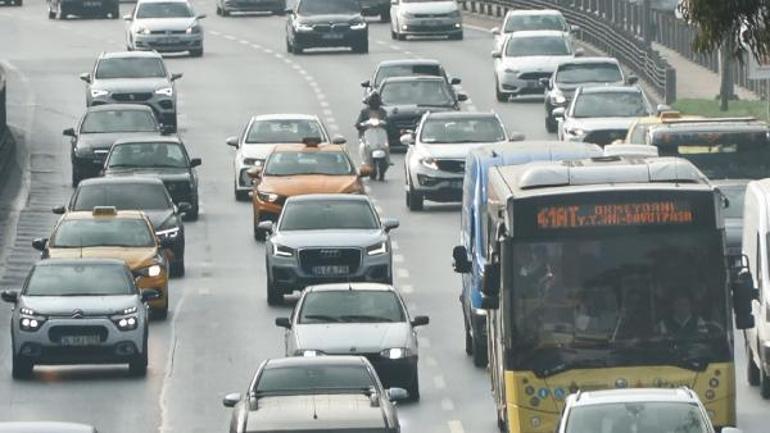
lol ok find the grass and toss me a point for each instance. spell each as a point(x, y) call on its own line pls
point(710, 108)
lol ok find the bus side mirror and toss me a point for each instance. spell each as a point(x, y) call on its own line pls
point(461, 264)
point(491, 280)
point(744, 293)
point(490, 302)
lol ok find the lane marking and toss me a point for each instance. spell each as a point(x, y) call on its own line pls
point(402, 273)
point(230, 37)
point(439, 382)
point(324, 104)
point(447, 404)
point(169, 373)
point(456, 426)
point(214, 32)
point(398, 258)
point(244, 42)
point(327, 112)
point(204, 291)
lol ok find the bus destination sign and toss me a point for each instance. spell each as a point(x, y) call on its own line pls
point(590, 215)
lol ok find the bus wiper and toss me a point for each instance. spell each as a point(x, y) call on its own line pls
point(563, 366)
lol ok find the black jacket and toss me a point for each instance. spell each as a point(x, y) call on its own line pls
point(369, 113)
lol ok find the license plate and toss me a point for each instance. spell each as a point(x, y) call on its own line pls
point(332, 36)
point(534, 84)
point(330, 270)
point(92, 4)
point(80, 340)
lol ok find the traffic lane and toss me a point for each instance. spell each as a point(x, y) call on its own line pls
point(95, 395)
point(752, 408)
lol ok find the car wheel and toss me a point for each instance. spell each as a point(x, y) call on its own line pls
point(456, 36)
point(172, 123)
point(225, 12)
point(752, 371)
point(115, 14)
point(501, 97)
point(259, 234)
point(192, 215)
point(296, 49)
point(400, 36)
point(240, 195)
point(60, 13)
point(393, 34)
point(137, 367)
point(51, 13)
point(197, 53)
point(76, 176)
point(468, 341)
point(385, 16)
point(480, 358)
point(177, 268)
point(550, 124)
point(502, 421)
point(288, 46)
point(274, 295)
point(414, 388)
point(21, 368)
point(361, 47)
point(414, 200)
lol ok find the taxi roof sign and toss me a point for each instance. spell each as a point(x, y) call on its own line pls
point(105, 211)
point(670, 114)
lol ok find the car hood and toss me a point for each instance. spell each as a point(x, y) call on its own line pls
point(89, 305)
point(329, 238)
point(164, 174)
point(316, 412)
point(135, 258)
point(443, 7)
point(105, 140)
point(534, 63)
point(131, 84)
point(329, 19)
point(452, 151)
point(257, 151)
point(171, 24)
point(308, 184)
point(396, 111)
point(351, 338)
point(598, 123)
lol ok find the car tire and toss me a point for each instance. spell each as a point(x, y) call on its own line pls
point(259, 234)
point(51, 13)
point(137, 367)
point(480, 355)
point(400, 36)
point(159, 313)
point(385, 16)
point(225, 12)
point(393, 35)
point(240, 195)
point(752, 371)
point(177, 268)
point(76, 176)
point(197, 53)
point(500, 96)
point(296, 48)
point(192, 215)
point(219, 10)
point(21, 368)
point(60, 13)
point(361, 47)
point(502, 421)
point(414, 387)
point(274, 295)
point(414, 200)
point(550, 124)
point(468, 341)
point(456, 36)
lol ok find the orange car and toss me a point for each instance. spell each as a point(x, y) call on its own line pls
point(295, 169)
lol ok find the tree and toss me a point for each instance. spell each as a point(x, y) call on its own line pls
point(742, 22)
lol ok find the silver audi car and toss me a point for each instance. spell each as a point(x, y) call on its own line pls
point(165, 26)
point(83, 311)
point(326, 238)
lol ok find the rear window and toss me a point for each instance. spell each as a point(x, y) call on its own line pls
point(517, 23)
point(308, 378)
point(589, 73)
point(329, 215)
point(119, 121)
point(147, 155)
point(79, 280)
point(284, 131)
point(291, 163)
point(107, 232)
point(130, 67)
point(122, 197)
point(537, 46)
point(385, 72)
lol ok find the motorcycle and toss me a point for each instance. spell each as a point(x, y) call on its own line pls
point(374, 148)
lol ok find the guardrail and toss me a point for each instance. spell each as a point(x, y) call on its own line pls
point(3, 114)
point(612, 26)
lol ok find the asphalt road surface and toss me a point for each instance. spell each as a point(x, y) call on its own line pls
point(220, 327)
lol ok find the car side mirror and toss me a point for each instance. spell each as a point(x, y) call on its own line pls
point(364, 171)
point(254, 172)
point(420, 321)
point(85, 76)
point(663, 107)
point(407, 139)
point(150, 295)
point(59, 210)
point(283, 322)
point(579, 52)
point(266, 226)
point(633, 79)
point(232, 141)
point(559, 112)
point(545, 82)
point(455, 81)
point(744, 293)
point(366, 84)
point(231, 400)
point(69, 132)
point(573, 28)
point(516, 136)
point(338, 139)
point(196, 162)
point(497, 54)
point(176, 76)
point(128, 17)
point(389, 224)
point(462, 97)
point(184, 207)
point(10, 296)
point(40, 244)
point(397, 394)
point(460, 261)
point(201, 16)
point(495, 30)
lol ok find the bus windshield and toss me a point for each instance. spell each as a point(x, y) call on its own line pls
point(633, 298)
point(719, 154)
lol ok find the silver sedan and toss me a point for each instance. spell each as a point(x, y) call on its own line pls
point(165, 26)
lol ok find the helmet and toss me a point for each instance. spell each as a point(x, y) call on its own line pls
point(374, 100)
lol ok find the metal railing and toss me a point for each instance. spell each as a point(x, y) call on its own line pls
point(615, 27)
point(3, 114)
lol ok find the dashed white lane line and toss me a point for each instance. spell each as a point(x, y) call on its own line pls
point(456, 426)
point(398, 258)
point(402, 273)
point(214, 32)
point(268, 51)
point(327, 112)
point(431, 361)
point(244, 42)
point(439, 382)
point(407, 289)
point(230, 37)
point(324, 103)
point(447, 405)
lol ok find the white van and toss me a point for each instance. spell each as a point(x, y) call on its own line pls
point(756, 242)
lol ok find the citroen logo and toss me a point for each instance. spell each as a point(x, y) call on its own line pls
point(77, 314)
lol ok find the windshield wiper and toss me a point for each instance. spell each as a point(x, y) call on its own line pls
point(364, 318)
point(161, 166)
point(322, 317)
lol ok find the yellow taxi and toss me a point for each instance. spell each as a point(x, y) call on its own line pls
point(640, 127)
point(108, 233)
point(295, 169)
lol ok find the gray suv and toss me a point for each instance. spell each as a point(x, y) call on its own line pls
point(79, 311)
point(137, 78)
point(326, 238)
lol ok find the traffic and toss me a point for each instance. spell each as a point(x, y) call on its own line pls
point(563, 252)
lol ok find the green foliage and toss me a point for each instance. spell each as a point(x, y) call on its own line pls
point(743, 21)
point(710, 108)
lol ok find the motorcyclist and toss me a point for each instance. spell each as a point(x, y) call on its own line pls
point(372, 110)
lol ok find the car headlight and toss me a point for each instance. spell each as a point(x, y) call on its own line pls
point(395, 353)
point(358, 26)
point(429, 162)
point(269, 197)
point(126, 322)
point(282, 251)
point(30, 321)
point(95, 93)
point(576, 132)
point(309, 352)
point(153, 271)
point(129, 310)
point(143, 31)
point(251, 161)
point(166, 91)
point(377, 249)
point(302, 27)
point(194, 29)
point(558, 99)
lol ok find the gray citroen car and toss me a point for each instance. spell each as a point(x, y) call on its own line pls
point(326, 238)
point(79, 311)
point(135, 78)
point(364, 319)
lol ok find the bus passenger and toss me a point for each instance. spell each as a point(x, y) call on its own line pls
point(683, 323)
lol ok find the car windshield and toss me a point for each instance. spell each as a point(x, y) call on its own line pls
point(537, 46)
point(163, 10)
point(638, 417)
point(328, 7)
point(313, 378)
point(329, 215)
point(469, 130)
point(103, 232)
point(147, 155)
point(119, 121)
point(299, 163)
point(347, 306)
point(126, 196)
point(517, 23)
point(735, 195)
point(284, 131)
point(588, 73)
point(385, 72)
point(130, 67)
point(78, 280)
point(610, 104)
point(429, 93)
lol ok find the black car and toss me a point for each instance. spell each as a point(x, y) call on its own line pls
point(165, 158)
point(406, 99)
point(44, 426)
point(137, 193)
point(99, 128)
point(61, 9)
point(326, 23)
point(406, 68)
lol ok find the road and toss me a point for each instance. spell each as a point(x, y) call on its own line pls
point(220, 327)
